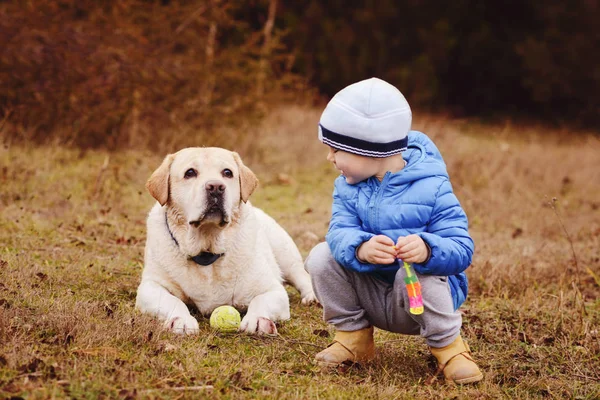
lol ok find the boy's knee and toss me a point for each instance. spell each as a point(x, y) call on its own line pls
point(318, 259)
point(434, 285)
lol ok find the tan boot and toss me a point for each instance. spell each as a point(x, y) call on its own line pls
point(348, 347)
point(456, 362)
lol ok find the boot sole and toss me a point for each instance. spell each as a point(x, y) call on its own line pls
point(471, 379)
point(347, 364)
point(325, 364)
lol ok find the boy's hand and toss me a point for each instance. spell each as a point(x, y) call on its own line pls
point(377, 250)
point(412, 249)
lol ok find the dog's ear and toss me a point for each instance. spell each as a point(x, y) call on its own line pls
point(158, 184)
point(248, 181)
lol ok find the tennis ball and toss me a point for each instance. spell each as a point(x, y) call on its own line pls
point(225, 318)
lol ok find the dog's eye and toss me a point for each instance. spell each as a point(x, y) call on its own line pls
point(190, 173)
point(227, 173)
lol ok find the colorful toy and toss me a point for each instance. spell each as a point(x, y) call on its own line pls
point(225, 319)
point(413, 287)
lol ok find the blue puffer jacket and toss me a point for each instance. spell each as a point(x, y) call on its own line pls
point(416, 200)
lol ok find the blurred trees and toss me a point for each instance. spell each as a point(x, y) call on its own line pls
point(538, 59)
point(115, 73)
point(112, 73)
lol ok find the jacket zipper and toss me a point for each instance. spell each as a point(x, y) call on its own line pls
point(375, 200)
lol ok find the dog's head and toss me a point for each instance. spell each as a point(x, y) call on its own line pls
point(206, 184)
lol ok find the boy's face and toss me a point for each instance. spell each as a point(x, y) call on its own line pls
point(355, 168)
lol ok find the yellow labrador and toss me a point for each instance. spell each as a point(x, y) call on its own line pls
point(207, 246)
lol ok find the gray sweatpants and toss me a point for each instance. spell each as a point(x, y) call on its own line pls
point(353, 301)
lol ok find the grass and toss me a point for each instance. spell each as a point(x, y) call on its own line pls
point(72, 231)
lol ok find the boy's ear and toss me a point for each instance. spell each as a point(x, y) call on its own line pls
point(248, 181)
point(158, 184)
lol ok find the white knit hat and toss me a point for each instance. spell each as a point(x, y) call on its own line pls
point(370, 118)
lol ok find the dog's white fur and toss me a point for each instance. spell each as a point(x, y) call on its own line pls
point(258, 255)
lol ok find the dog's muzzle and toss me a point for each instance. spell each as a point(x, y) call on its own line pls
point(214, 210)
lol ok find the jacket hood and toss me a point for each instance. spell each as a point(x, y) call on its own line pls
point(423, 160)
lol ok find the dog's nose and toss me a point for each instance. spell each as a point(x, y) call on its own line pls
point(214, 187)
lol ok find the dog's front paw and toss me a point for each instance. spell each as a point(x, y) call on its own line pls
point(258, 325)
point(309, 298)
point(187, 325)
point(266, 327)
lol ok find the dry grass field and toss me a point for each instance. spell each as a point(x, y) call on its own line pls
point(72, 231)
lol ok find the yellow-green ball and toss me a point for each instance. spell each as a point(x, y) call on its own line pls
point(225, 318)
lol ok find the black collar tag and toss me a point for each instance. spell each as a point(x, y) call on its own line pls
point(205, 258)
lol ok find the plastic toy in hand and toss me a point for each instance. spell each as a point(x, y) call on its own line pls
point(413, 287)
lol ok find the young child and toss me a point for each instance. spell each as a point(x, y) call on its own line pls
point(393, 201)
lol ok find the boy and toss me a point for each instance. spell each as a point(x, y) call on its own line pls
point(393, 201)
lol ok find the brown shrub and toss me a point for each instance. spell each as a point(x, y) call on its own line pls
point(112, 74)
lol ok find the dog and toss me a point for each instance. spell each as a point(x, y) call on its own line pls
point(208, 246)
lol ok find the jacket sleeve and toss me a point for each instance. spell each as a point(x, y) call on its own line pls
point(345, 233)
point(447, 235)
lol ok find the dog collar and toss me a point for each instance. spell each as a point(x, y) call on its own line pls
point(204, 258)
